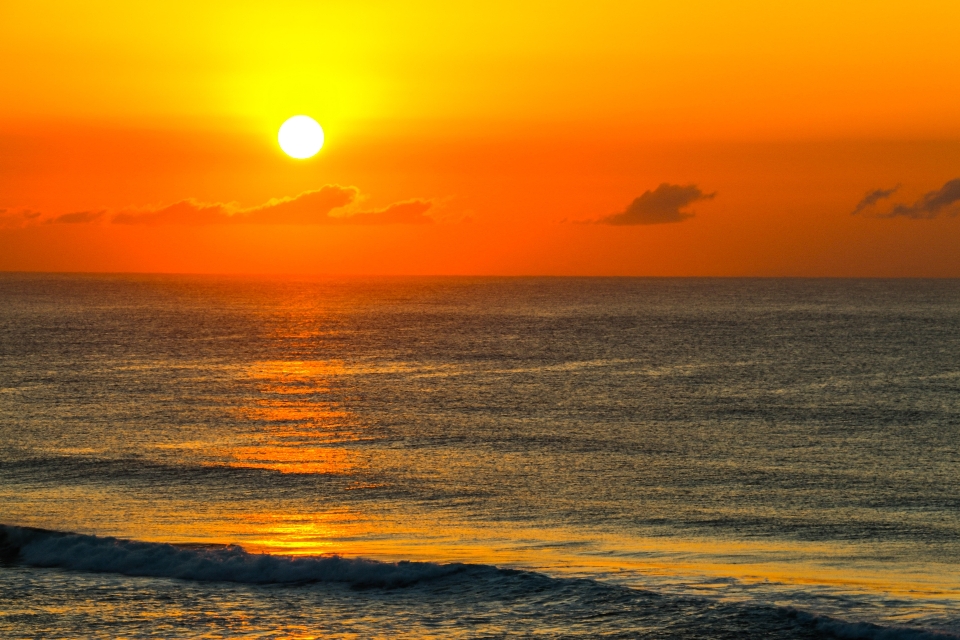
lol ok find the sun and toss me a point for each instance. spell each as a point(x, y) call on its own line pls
point(300, 137)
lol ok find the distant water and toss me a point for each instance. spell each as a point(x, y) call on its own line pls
point(479, 458)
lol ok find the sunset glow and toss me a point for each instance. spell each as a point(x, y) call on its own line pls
point(525, 129)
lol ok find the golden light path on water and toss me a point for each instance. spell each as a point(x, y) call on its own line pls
point(725, 568)
point(765, 445)
point(298, 432)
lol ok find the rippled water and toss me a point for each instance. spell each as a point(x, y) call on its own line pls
point(665, 458)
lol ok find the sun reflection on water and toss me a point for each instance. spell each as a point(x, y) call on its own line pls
point(300, 534)
point(295, 423)
point(296, 427)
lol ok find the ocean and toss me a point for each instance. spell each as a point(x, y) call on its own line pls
point(192, 456)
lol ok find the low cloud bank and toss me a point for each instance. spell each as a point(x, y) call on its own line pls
point(663, 205)
point(308, 208)
point(324, 206)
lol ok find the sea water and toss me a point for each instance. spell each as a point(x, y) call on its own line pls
point(478, 457)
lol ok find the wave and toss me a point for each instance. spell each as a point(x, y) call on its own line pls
point(580, 598)
point(841, 629)
point(230, 563)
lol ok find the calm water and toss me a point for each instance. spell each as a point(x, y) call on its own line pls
point(479, 457)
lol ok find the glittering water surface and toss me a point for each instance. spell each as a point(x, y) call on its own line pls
point(663, 458)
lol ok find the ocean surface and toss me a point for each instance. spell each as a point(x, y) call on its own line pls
point(479, 457)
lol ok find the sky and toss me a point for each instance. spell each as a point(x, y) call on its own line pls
point(682, 138)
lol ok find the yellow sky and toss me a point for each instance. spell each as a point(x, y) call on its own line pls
point(719, 68)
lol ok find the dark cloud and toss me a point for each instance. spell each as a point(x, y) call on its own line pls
point(928, 206)
point(872, 198)
point(660, 206)
point(11, 220)
point(932, 204)
point(80, 217)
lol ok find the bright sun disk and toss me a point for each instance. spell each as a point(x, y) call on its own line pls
point(300, 137)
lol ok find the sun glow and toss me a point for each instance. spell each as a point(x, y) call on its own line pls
point(300, 137)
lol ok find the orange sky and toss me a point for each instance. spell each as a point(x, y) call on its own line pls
point(482, 138)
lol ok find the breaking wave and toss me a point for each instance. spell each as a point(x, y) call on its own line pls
point(576, 600)
point(45, 548)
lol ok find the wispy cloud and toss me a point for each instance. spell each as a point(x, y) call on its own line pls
point(873, 197)
point(310, 207)
point(80, 217)
point(663, 205)
point(328, 205)
point(410, 212)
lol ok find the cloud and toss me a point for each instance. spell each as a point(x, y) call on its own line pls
point(660, 206)
point(308, 208)
point(11, 220)
point(186, 212)
point(872, 198)
point(329, 205)
point(80, 217)
point(932, 204)
point(411, 212)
